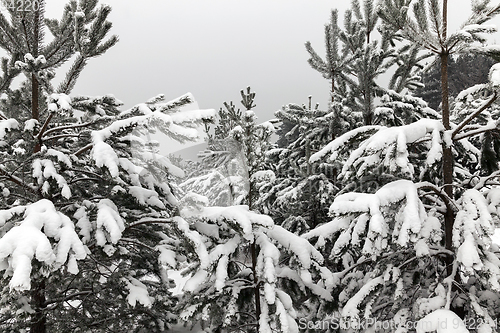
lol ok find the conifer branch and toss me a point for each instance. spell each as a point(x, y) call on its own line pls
point(19, 181)
point(483, 180)
point(481, 130)
point(44, 127)
point(474, 115)
point(26, 36)
point(69, 82)
point(153, 221)
point(133, 241)
point(61, 136)
point(67, 298)
point(55, 50)
point(7, 30)
point(449, 202)
point(61, 128)
point(84, 149)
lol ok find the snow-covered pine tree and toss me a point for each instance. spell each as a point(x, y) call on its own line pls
point(398, 254)
point(335, 66)
point(86, 205)
point(236, 149)
point(220, 176)
point(297, 192)
point(429, 29)
point(355, 59)
point(246, 267)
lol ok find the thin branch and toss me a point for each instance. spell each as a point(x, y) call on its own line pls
point(450, 203)
point(67, 127)
point(474, 115)
point(484, 129)
point(67, 298)
point(155, 221)
point(87, 172)
point(49, 56)
point(136, 243)
point(44, 127)
point(84, 149)
point(85, 179)
point(483, 180)
point(19, 182)
point(62, 136)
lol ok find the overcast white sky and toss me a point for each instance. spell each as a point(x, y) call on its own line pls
point(214, 48)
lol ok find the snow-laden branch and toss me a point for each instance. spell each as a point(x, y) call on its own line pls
point(7, 125)
point(340, 142)
point(388, 146)
point(62, 128)
point(449, 202)
point(361, 221)
point(179, 125)
point(489, 127)
point(32, 238)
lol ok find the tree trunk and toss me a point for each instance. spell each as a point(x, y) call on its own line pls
point(38, 319)
point(449, 217)
point(256, 288)
point(333, 89)
point(35, 112)
point(368, 113)
point(253, 247)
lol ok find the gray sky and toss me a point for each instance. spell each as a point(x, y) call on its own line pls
point(214, 48)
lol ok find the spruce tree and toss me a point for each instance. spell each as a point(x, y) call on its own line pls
point(237, 150)
point(298, 192)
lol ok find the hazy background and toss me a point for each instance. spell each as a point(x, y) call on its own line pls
point(215, 48)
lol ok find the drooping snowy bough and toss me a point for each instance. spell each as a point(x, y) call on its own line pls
point(224, 275)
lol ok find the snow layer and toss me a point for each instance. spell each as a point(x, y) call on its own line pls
point(240, 215)
point(494, 75)
point(42, 225)
point(180, 125)
point(44, 169)
point(7, 125)
point(441, 321)
point(387, 146)
point(110, 220)
point(297, 245)
point(138, 292)
point(350, 310)
point(472, 230)
point(353, 211)
point(341, 141)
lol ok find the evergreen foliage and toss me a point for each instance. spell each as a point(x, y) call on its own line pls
point(355, 60)
point(298, 192)
point(375, 208)
point(86, 202)
point(416, 245)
